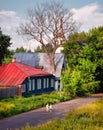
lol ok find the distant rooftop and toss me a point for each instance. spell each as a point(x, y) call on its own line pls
point(41, 60)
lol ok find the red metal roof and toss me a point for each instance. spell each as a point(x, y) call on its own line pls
point(15, 73)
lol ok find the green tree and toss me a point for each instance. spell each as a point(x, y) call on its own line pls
point(72, 48)
point(4, 44)
point(95, 41)
point(29, 50)
point(70, 82)
point(48, 47)
point(38, 49)
point(8, 58)
point(21, 49)
point(85, 61)
point(80, 80)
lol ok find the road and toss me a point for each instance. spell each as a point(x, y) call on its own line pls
point(39, 116)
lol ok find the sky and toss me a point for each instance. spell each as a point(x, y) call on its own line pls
point(89, 13)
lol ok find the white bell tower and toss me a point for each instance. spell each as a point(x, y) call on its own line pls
point(60, 37)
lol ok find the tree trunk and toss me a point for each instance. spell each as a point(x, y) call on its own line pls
point(51, 57)
point(53, 67)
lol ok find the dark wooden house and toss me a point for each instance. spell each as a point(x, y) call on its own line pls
point(40, 60)
point(28, 79)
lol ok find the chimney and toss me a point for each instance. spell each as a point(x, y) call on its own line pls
point(13, 59)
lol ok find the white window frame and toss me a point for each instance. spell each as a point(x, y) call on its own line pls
point(38, 83)
point(44, 82)
point(47, 82)
point(33, 84)
point(52, 82)
point(30, 87)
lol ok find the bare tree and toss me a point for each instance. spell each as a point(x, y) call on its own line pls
point(49, 23)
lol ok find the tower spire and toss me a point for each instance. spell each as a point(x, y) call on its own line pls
point(60, 36)
point(60, 32)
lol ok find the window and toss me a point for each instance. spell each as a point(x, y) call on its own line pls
point(47, 82)
point(38, 83)
point(33, 84)
point(52, 82)
point(44, 83)
point(29, 85)
point(23, 88)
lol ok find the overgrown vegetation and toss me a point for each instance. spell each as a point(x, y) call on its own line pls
point(13, 106)
point(4, 44)
point(89, 117)
point(84, 53)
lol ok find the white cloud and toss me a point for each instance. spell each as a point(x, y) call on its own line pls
point(89, 16)
point(9, 22)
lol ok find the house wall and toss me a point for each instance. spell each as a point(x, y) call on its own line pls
point(37, 85)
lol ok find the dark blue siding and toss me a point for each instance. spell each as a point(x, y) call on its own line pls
point(32, 82)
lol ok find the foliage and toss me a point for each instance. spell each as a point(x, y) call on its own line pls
point(8, 58)
point(95, 40)
point(38, 49)
point(21, 49)
point(13, 106)
point(81, 80)
point(4, 44)
point(73, 46)
point(84, 52)
point(70, 82)
point(89, 117)
point(48, 47)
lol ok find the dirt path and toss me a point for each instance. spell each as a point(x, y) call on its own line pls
point(39, 116)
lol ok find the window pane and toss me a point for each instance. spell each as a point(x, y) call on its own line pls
point(39, 83)
point(47, 82)
point(29, 85)
point(33, 84)
point(52, 82)
point(44, 83)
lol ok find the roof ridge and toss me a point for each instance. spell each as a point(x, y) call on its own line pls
point(19, 67)
point(29, 67)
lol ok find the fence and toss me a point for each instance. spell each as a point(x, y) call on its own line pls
point(8, 92)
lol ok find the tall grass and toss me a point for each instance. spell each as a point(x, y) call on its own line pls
point(13, 106)
point(89, 117)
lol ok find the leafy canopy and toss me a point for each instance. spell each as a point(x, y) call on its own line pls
point(4, 44)
point(84, 52)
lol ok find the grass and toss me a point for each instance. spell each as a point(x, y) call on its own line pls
point(89, 117)
point(13, 106)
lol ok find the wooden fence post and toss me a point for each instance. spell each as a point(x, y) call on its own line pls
point(20, 90)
